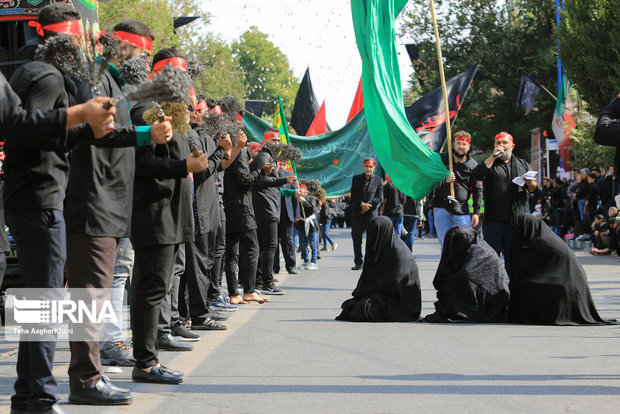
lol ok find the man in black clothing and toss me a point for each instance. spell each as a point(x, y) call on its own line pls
point(366, 196)
point(591, 203)
point(289, 211)
point(504, 200)
point(394, 204)
point(36, 172)
point(607, 130)
point(162, 219)
point(448, 213)
point(267, 208)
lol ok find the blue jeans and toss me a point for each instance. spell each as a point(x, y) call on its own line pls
point(398, 224)
point(431, 222)
point(304, 242)
point(123, 266)
point(444, 220)
point(410, 224)
point(326, 236)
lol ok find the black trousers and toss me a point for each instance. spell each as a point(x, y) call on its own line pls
point(245, 245)
point(358, 228)
point(215, 288)
point(199, 258)
point(169, 315)
point(286, 230)
point(498, 234)
point(153, 269)
point(90, 264)
point(268, 244)
point(42, 251)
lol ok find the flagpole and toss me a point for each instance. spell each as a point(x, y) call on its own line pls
point(445, 96)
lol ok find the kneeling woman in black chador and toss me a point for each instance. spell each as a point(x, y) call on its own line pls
point(548, 285)
point(471, 281)
point(389, 288)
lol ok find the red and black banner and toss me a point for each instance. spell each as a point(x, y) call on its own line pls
point(427, 115)
point(306, 106)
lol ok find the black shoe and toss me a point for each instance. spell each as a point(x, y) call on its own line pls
point(103, 393)
point(170, 371)
point(183, 334)
point(170, 343)
point(54, 409)
point(209, 325)
point(157, 375)
point(356, 267)
point(292, 272)
point(272, 290)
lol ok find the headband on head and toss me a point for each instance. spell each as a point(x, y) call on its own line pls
point(271, 135)
point(462, 138)
point(239, 117)
point(303, 186)
point(141, 42)
point(504, 135)
point(176, 62)
point(370, 162)
point(216, 110)
point(201, 105)
point(66, 27)
point(255, 146)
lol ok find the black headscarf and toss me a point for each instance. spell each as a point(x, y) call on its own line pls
point(389, 288)
point(471, 281)
point(548, 285)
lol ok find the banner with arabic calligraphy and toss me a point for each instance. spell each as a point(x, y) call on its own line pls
point(332, 158)
point(427, 114)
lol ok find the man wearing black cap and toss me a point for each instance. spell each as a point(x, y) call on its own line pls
point(366, 196)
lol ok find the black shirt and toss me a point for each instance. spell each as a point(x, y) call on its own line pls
point(503, 199)
point(238, 181)
point(394, 201)
point(367, 191)
point(464, 186)
point(592, 197)
point(265, 191)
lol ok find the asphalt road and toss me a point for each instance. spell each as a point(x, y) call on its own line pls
point(291, 356)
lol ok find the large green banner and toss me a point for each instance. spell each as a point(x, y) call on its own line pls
point(332, 158)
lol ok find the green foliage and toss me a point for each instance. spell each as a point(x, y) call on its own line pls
point(590, 49)
point(266, 71)
point(585, 153)
point(504, 42)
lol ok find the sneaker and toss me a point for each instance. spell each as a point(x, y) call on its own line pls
point(292, 272)
point(324, 249)
point(312, 266)
point(117, 354)
point(222, 305)
point(182, 334)
point(334, 246)
point(168, 342)
point(272, 290)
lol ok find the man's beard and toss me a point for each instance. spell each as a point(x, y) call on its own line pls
point(459, 155)
point(506, 155)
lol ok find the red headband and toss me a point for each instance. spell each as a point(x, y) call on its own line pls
point(201, 105)
point(271, 135)
point(302, 186)
point(216, 110)
point(176, 62)
point(141, 42)
point(255, 146)
point(370, 162)
point(462, 138)
point(66, 27)
point(239, 117)
point(504, 135)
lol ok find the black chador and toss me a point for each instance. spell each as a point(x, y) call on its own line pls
point(548, 285)
point(471, 281)
point(389, 288)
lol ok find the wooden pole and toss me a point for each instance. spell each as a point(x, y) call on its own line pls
point(445, 95)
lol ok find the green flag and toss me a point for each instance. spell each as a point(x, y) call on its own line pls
point(413, 167)
point(279, 121)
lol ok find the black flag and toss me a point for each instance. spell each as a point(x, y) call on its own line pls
point(182, 21)
point(528, 90)
point(427, 115)
point(306, 106)
point(255, 107)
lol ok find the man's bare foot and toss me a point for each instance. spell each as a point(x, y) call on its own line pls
point(236, 300)
point(254, 297)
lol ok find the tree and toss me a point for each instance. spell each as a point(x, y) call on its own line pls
point(590, 49)
point(504, 40)
point(266, 71)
